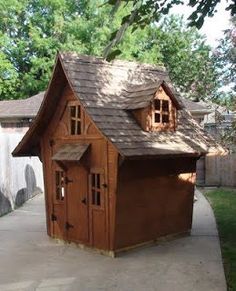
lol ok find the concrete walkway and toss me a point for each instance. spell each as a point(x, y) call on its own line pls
point(29, 260)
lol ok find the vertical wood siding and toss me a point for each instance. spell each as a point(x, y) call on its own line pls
point(220, 170)
point(154, 199)
point(95, 160)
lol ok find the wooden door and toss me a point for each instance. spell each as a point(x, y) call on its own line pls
point(58, 217)
point(76, 224)
point(97, 206)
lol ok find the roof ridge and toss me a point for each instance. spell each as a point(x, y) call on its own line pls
point(118, 62)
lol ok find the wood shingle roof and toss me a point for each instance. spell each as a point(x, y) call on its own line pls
point(108, 91)
point(23, 108)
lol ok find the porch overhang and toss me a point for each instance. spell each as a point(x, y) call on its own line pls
point(70, 152)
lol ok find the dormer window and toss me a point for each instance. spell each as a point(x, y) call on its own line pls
point(161, 111)
point(75, 119)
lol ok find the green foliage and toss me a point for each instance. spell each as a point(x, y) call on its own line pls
point(224, 206)
point(182, 50)
point(188, 59)
point(225, 61)
point(147, 11)
point(32, 31)
point(144, 12)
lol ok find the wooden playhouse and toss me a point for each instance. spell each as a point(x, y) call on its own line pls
point(119, 153)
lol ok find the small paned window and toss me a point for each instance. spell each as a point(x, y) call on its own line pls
point(96, 189)
point(157, 117)
point(157, 104)
point(75, 120)
point(60, 185)
point(161, 111)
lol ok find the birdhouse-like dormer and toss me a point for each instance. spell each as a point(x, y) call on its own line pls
point(159, 112)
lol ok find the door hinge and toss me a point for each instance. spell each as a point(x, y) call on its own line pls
point(53, 217)
point(68, 225)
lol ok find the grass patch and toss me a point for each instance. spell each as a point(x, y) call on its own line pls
point(223, 202)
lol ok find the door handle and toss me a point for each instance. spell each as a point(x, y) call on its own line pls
point(84, 201)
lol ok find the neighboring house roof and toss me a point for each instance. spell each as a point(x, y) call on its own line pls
point(195, 107)
point(23, 108)
point(108, 91)
point(218, 114)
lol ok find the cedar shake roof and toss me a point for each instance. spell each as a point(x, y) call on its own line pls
point(23, 108)
point(108, 91)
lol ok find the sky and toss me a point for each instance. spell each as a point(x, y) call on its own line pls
point(213, 26)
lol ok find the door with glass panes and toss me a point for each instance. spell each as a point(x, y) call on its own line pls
point(97, 206)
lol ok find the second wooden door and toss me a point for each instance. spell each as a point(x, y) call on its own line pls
point(76, 224)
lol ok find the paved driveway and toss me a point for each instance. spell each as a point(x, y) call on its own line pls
point(29, 260)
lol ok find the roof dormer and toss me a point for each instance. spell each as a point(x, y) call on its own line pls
point(156, 111)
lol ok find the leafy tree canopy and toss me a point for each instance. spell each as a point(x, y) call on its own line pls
point(32, 31)
point(144, 12)
point(224, 57)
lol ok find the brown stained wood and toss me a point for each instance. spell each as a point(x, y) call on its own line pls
point(146, 116)
point(58, 213)
point(58, 207)
point(47, 191)
point(77, 219)
point(77, 204)
point(98, 229)
point(90, 128)
point(141, 116)
point(112, 191)
point(161, 200)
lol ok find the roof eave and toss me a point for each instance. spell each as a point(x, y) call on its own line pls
point(166, 156)
point(13, 117)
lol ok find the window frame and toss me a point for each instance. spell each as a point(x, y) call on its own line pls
point(161, 112)
point(96, 189)
point(60, 185)
point(77, 118)
point(100, 189)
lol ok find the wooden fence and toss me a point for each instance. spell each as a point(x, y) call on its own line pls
point(220, 170)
